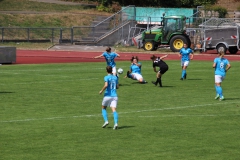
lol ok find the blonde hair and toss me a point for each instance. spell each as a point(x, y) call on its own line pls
point(221, 54)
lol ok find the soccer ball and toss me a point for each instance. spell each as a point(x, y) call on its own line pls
point(120, 70)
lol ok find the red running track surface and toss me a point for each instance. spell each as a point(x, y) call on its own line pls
point(41, 56)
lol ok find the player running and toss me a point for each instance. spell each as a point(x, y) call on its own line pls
point(110, 98)
point(221, 66)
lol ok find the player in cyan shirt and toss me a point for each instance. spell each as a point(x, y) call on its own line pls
point(135, 70)
point(110, 98)
point(221, 66)
point(186, 55)
point(109, 57)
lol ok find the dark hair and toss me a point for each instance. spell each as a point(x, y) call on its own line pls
point(134, 57)
point(153, 57)
point(109, 69)
point(108, 49)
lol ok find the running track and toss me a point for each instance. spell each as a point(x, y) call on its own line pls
point(42, 56)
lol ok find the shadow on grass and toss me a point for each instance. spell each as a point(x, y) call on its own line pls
point(194, 79)
point(121, 127)
point(231, 98)
point(5, 92)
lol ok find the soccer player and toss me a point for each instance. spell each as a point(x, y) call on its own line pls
point(109, 57)
point(221, 66)
point(163, 67)
point(186, 55)
point(110, 98)
point(135, 71)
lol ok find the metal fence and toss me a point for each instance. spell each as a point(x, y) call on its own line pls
point(90, 33)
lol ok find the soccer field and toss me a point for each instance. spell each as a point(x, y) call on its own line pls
point(53, 112)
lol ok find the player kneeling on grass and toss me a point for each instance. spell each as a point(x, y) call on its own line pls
point(110, 98)
point(135, 71)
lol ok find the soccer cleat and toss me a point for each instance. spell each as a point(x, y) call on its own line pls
point(181, 78)
point(105, 124)
point(154, 83)
point(128, 74)
point(221, 98)
point(217, 96)
point(115, 127)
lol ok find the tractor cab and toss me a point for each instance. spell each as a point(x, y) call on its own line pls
point(172, 25)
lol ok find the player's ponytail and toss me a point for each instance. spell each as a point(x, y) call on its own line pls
point(221, 54)
point(153, 57)
point(108, 49)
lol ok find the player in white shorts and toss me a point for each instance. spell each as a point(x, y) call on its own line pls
point(110, 98)
point(221, 66)
point(186, 55)
point(135, 71)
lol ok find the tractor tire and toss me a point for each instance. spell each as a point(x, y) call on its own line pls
point(233, 50)
point(221, 48)
point(149, 46)
point(176, 42)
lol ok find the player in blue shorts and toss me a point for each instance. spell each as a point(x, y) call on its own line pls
point(135, 70)
point(221, 66)
point(109, 57)
point(186, 55)
point(163, 67)
point(110, 98)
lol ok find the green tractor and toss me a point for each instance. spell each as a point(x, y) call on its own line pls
point(172, 33)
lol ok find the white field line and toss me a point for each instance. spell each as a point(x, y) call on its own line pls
point(140, 111)
point(39, 82)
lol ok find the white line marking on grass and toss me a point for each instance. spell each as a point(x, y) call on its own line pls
point(140, 111)
point(34, 82)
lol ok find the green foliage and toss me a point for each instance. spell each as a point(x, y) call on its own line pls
point(53, 111)
point(221, 11)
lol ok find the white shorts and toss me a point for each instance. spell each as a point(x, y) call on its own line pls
point(110, 101)
point(114, 70)
point(219, 79)
point(185, 63)
point(137, 76)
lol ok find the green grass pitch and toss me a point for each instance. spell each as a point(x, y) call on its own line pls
point(53, 112)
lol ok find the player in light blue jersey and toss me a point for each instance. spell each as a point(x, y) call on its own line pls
point(109, 57)
point(110, 98)
point(135, 71)
point(186, 55)
point(221, 66)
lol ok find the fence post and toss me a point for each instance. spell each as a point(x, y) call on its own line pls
point(28, 30)
point(2, 34)
point(60, 38)
point(72, 35)
point(52, 34)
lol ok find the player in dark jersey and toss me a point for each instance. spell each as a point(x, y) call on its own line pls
point(163, 67)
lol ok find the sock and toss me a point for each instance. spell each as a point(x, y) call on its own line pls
point(104, 114)
point(183, 73)
point(115, 117)
point(144, 81)
point(219, 90)
point(216, 89)
point(160, 82)
point(158, 79)
point(129, 76)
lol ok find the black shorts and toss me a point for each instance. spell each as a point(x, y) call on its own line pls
point(163, 69)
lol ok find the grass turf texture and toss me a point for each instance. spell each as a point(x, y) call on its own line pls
point(53, 111)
